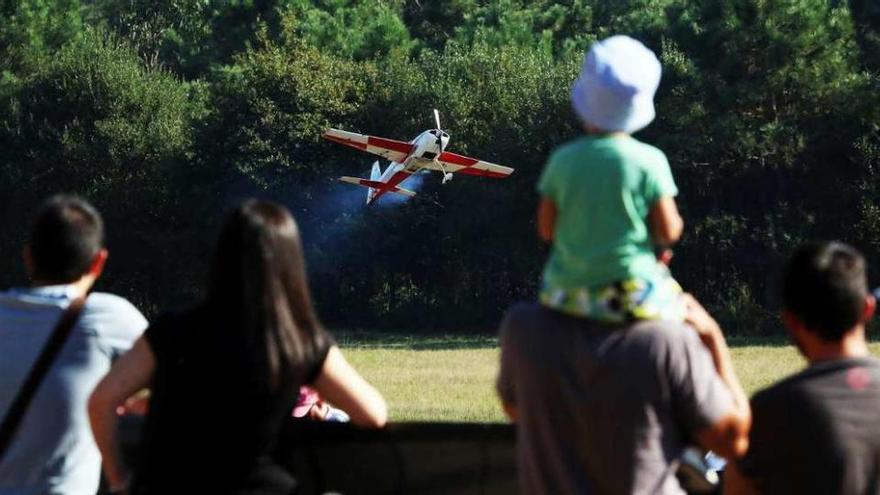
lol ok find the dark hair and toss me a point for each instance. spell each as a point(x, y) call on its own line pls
point(66, 234)
point(258, 284)
point(825, 284)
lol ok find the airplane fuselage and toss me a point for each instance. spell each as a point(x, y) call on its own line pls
point(428, 146)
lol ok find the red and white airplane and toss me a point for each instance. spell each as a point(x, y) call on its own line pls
point(426, 151)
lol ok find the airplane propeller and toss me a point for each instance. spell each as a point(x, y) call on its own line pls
point(446, 175)
point(437, 118)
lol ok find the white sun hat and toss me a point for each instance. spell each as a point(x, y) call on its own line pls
point(615, 91)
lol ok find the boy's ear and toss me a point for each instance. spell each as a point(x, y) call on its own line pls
point(98, 262)
point(798, 333)
point(870, 307)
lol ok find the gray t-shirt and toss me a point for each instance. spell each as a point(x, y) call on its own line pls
point(54, 451)
point(818, 432)
point(605, 409)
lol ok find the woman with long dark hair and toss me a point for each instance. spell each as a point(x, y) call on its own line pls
point(225, 375)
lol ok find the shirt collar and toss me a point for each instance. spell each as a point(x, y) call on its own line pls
point(60, 292)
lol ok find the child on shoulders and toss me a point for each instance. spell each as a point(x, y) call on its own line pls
point(607, 200)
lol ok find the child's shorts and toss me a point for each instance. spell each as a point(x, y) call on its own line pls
point(627, 300)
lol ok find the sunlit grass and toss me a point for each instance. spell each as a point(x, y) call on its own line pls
point(451, 378)
point(429, 378)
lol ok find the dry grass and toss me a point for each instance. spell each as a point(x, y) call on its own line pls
point(451, 378)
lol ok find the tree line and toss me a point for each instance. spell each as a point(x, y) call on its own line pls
point(165, 112)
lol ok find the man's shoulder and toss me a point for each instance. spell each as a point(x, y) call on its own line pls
point(775, 397)
point(784, 390)
point(816, 379)
point(22, 298)
point(526, 317)
point(104, 302)
point(665, 330)
point(111, 313)
point(664, 335)
point(531, 311)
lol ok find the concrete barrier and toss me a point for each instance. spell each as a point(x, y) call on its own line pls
point(404, 458)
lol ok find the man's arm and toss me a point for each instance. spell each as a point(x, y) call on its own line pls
point(737, 484)
point(510, 411)
point(504, 385)
point(118, 322)
point(728, 435)
point(774, 437)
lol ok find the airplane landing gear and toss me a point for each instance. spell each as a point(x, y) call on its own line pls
point(447, 176)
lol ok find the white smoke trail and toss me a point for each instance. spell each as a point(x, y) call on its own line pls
point(414, 183)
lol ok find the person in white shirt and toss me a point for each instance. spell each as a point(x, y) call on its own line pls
point(53, 450)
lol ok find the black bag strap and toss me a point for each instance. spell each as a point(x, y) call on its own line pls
point(38, 372)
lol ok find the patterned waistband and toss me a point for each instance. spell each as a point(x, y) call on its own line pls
point(619, 302)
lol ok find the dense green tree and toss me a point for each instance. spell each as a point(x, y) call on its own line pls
point(172, 33)
point(351, 29)
point(93, 120)
point(190, 37)
point(866, 16)
point(767, 111)
point(272, 106)
point(760, 113)
point(434, 23)
point(33, 29)
point(554, 27)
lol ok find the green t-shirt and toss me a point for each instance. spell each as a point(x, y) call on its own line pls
point(603, 188)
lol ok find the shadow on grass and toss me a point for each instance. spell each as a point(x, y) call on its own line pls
point(750, 341)
point(364, 339)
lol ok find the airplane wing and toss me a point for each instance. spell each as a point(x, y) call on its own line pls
point(460, 164)
point(390, 149)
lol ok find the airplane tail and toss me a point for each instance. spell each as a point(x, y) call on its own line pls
point(375, 175)
point(375, 187)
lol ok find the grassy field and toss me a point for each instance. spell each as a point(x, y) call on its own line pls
point(451, 378)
